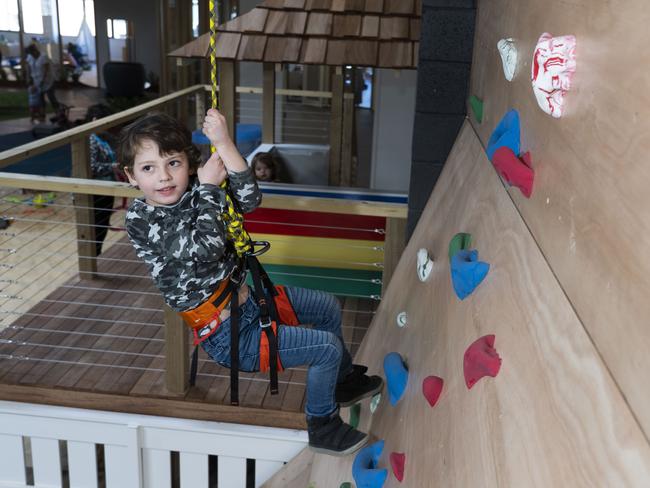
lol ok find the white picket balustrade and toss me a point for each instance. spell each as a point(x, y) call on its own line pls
point(137, 449)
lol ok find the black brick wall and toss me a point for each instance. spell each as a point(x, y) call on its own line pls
point(443, 79)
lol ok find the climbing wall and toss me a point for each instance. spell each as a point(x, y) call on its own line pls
point(566, 293)
point(589, 208)
point(553, 416)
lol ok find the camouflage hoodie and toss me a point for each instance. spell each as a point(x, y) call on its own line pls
point(184, 244)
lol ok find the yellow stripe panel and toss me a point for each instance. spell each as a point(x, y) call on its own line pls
point(321, 252)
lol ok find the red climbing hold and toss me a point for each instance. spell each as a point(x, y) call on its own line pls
point(481, 359)
point(431, 388)
point(516, 171)
point(397, 460)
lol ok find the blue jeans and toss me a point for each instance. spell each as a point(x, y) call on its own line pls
point(321, 347)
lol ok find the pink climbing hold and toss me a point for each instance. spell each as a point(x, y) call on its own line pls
point(397, 460)
point(481, 359)
point(431, 388)
point(515, 170)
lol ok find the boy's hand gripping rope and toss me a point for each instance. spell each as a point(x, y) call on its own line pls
point(233, 219)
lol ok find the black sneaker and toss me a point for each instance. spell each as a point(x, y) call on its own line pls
point(357, 386)
point(330, 435)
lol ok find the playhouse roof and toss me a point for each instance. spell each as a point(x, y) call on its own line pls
point(375, 33)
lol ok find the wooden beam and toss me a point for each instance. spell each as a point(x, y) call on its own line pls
point(268, 104)
point(176, 353)
point(84, 213)
point(288, 202)
point(227, 94)
point(336, 124)
point(62, 138)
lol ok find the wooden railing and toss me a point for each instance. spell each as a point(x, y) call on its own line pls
point(83, 188)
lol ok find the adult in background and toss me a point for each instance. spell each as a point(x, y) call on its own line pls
point(41, 74)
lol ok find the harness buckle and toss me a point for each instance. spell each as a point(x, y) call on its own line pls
point(264, 325)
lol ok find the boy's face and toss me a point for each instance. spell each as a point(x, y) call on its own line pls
point(162, 179)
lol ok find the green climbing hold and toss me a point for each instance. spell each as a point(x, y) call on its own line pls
point(477, 107)
point(459, 242)
point(347, 484)
point(355, 415)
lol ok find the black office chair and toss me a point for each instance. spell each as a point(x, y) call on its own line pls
point(124, 79)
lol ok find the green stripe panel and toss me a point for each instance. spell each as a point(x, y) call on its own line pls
point(346, 282)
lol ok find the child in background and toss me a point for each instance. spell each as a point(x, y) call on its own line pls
point(265, 167)
point(178, 230)
point(36, 105)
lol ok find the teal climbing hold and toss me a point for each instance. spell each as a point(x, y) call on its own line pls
point(347, 484)
point(355, 415)
point(477, 107)
point(459, 242)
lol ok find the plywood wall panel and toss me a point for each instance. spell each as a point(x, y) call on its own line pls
point(589, 208)
point(552, 417)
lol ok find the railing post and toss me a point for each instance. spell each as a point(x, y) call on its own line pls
point(336, 116)
point(268, 104)
point(394, 244)
point(84, 214)
point(346, 139)
point(199, 108)
point(176, 353)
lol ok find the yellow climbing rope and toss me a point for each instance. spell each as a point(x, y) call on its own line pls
point(233, 219)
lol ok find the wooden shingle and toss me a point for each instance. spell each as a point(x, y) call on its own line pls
point(362, 53)
point(313, 51)
point(396, 55)
point(355, 6)
point(251, 47)
point(338, 6)
point(276, 22)
point(282, 49)
point(394, 28)
point(370, 26)
point(319, 24)
point(375, 6)
point(318, 5)
point(253, 21)
point(402, 7)
point(227, 45)
point(346, 25)
point(414, 31)
point(296, 22)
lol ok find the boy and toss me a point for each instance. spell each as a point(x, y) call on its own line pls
point(178, 231)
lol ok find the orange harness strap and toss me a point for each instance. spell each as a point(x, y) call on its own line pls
point(287, 316)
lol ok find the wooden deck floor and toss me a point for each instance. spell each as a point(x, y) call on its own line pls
point(98, 343)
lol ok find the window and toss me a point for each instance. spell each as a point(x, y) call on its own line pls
point(89, 6)
point(32, 17)
point(116, 28)
point(195, 18)
point(74, 14)
point(9, 15)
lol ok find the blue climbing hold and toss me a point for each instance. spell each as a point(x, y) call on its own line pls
point(506, 134)
point(467, 272)
point(397, 376)
point(364, 467)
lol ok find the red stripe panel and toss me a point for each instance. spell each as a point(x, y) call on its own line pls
point(283, 222)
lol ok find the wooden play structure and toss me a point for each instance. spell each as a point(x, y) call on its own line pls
point(338, 33)
point(566, 294)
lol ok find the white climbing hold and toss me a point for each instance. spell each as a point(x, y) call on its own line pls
point(425, 265)
point(508, 51)
point(401, 319)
